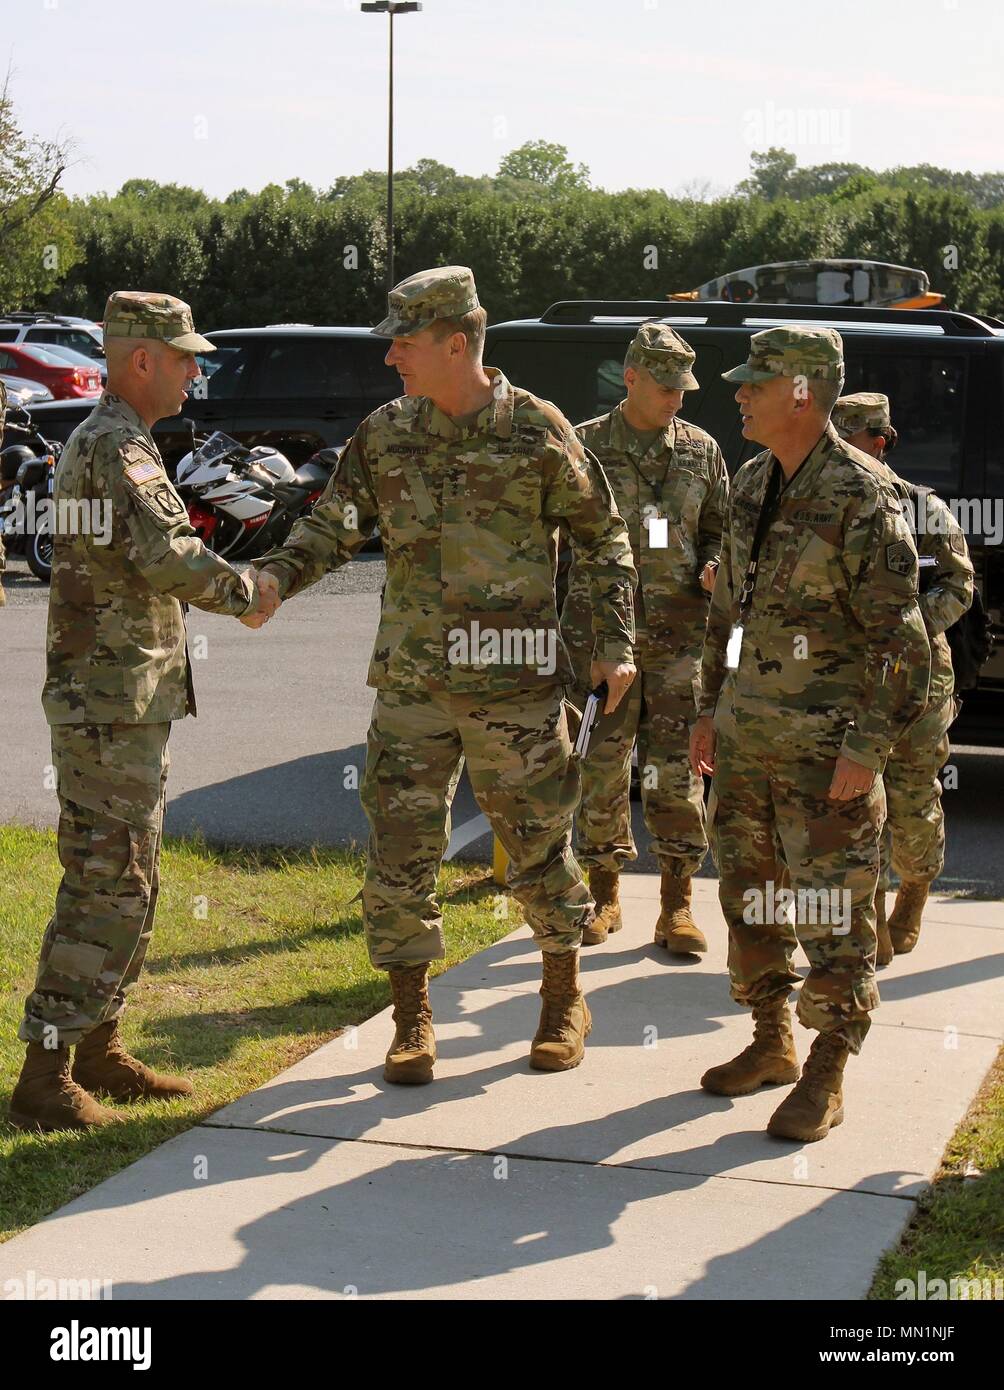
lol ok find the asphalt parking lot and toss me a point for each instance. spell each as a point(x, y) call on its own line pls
point(278, 748)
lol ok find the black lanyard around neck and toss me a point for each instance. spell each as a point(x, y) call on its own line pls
point(658, 488)
point(768, 507)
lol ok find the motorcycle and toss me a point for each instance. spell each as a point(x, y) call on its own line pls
point(242, 502)
point(27, 471)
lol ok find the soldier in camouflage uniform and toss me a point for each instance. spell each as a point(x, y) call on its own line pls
point(670, 484)
point(913, 841)
point(816, 658)
point(467, 478)
point(117, 674)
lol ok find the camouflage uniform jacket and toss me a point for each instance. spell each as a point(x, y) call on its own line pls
point(834, 649)
point(116, 648)
point(671, 608)
point(947, 586)
point(467, 517)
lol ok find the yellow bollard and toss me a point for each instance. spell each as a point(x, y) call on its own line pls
point(500, 861)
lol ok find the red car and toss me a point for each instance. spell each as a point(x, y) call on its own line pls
point(62, 378)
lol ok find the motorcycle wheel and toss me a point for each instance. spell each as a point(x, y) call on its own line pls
point(40, 556)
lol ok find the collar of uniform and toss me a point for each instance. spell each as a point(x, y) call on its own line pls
point(118, 405)
point(494, 418)
point(625, 440)
point(803, 480)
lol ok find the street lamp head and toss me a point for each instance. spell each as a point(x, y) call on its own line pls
point(391, 7)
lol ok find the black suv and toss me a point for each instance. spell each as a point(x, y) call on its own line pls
point(293, 386)
point(942, 371)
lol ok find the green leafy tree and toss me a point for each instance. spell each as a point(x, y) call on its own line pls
point(163, 197)
point(770, 174)
point(38, 245)
point(544, 166)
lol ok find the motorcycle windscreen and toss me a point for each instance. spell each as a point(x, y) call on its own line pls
point(217, 446)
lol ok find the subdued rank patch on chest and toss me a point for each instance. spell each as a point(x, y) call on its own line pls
point(899, 558)
point(144, 472)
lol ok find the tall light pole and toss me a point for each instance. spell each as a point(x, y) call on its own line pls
point(390, 8)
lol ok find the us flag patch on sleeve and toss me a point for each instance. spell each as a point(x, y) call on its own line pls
point(143, 472)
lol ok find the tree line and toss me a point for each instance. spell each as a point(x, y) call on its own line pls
point(534, 232)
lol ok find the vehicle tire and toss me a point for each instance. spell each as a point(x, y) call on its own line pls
point(40, 556)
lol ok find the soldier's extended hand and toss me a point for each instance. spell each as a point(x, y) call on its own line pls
point(702, 746)
point(268, 592)
point(708, 576)
point(850, 779)
point(267, 587)
point(618, 676)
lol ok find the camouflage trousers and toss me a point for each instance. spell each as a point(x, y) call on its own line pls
point(656, 712)
point(763, 800)
point(111, 780)
point(913, 842)
point(525, 778)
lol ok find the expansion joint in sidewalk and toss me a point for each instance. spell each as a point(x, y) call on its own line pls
point(552, 1158)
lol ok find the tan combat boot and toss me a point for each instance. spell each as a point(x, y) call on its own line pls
point(607, 916)
point(410, 1060)
point(770, 1059)
point(47, 1098)
point(565, 1022)
point(904, 924)
point(816, 1104)
point(885, 952)
point(676, 929)
point(103, 1065)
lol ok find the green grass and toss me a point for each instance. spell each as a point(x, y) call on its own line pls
point(257, 959)
point(957, 1231)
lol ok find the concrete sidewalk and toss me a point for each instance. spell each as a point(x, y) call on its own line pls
point(621, 1179)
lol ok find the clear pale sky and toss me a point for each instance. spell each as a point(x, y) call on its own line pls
point(647, 93)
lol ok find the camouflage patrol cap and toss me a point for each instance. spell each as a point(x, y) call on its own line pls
point(140, 314)
point(664, 354)
point(816, 353)
point(444, 293)
point(867, 410)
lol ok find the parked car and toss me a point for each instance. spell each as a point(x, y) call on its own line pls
point(942, 370)
point(79, 359)
point(294, 387)
point(26, 393)
point(53, 330)
point(65, 380)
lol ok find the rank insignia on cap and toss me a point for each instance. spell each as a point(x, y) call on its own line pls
point(143, 472)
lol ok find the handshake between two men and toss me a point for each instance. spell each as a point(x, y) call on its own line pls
point(267, 587)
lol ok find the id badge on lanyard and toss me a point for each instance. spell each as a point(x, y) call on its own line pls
point(734, 646)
